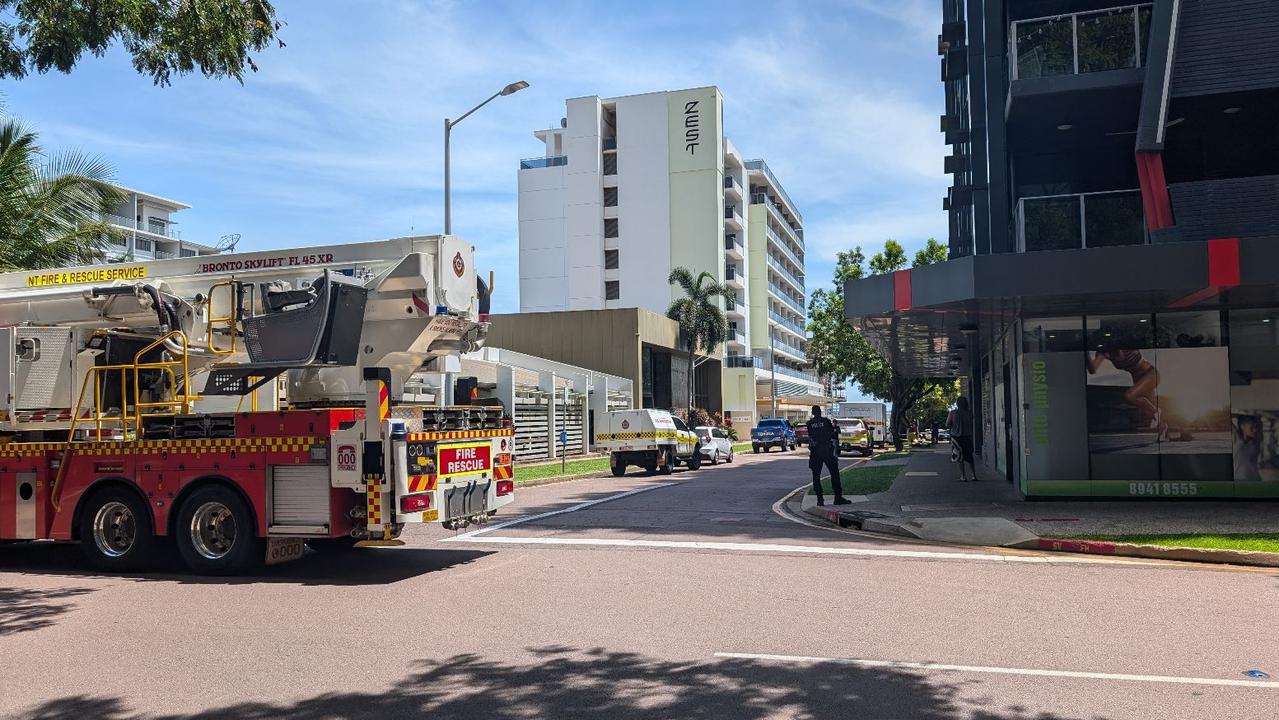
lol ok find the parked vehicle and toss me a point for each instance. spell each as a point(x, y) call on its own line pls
point(652, 439)
point(801, 435)
point(773, 432)
point(715, 445)
point(854, 436)
point(874, 414)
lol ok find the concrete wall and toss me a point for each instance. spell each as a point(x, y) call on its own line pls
point(584, 206)
point(696, 157)
point(543, 239)
point(644, 211)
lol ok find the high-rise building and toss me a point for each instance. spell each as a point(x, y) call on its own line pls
point(629, 188)
point(150, 231)
point(1111, 291)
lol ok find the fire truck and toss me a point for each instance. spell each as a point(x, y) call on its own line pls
point(238, 406)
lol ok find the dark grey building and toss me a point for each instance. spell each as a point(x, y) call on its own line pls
point(1112, 293)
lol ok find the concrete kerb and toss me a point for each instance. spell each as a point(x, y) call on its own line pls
point(1156, 552)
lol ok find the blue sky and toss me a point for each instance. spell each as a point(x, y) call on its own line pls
point(338, 137)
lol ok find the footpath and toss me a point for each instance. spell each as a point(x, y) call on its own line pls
point(927, 502)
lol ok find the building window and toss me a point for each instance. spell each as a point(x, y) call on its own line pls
point(610, 164)
point(141, 244)
point(186, 253)
point(612, 290)
point(610, 227)
point(610, 259)
point(610, 197)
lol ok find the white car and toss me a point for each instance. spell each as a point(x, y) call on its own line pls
point(715, 444)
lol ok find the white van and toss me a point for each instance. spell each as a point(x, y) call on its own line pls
point(652, 439)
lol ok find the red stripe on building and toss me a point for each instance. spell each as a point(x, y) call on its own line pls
point(1154, 190)
point(902, 299)
point(1223, 263)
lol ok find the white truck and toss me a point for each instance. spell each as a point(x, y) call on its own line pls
point(874, 414)
point(652, 439)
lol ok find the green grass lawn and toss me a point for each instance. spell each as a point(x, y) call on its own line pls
point(524, 473)
point(741, 447)
point(1263, 542)
point(863, 479)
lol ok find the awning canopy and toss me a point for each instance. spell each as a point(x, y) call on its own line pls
point(927, 320)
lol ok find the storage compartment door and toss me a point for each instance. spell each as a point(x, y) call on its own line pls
point(299, 499)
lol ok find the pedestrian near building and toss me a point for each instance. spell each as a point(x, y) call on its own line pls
point(823, 438)
point(960, 425)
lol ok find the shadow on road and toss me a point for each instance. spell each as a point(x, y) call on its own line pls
point(24, 610)
point(563, 682)
point(369, 566)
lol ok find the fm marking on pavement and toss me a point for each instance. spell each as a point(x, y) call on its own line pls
point(1034, 672)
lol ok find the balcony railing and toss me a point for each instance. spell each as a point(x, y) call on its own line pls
point(732, 243)
point(1083, 42)
point(783, 345)
point(1082, 220)
point(777, 266)
point(799, 374)
point(777, 186)
point(731, 274)
point(730, 183)
point(787, 323)
point(795, 304)
point(120, 220)
point(784, 246)
point(544, 162)
point(731, 213)
point(736, 336)
point(739, 361)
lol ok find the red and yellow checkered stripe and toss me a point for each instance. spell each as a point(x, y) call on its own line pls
point(503, 472)
point(462, 434)
point(373, 499)
point(383, 401)
point(171, 447)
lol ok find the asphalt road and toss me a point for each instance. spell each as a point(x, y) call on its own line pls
point(690, 598)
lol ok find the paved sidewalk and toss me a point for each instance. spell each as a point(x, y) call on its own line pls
point(929, 502)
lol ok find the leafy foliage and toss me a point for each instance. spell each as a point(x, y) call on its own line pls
point(49, 208)
point(836, 348)
point(931, 254)
point(702, 324)
point(164, 37)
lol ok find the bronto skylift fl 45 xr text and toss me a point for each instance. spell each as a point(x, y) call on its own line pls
point(241, 405)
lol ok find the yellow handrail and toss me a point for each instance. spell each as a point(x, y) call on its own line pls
point(229, 320)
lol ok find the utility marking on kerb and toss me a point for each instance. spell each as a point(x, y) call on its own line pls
point(1033, 672)
point(574, 508)
point(779, 548)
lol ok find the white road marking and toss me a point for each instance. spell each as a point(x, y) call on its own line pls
point(575, 508)
point(921, 473)
point(779, 548)
point(1035, 672)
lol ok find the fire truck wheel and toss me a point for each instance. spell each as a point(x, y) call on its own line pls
point(215, 533)
point(115, 531)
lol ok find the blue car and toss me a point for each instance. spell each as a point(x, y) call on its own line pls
point(773, 432)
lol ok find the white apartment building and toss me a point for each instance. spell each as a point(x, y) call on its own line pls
point(628, 188)
point(151, 232)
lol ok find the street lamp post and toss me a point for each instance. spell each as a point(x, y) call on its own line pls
point(772, 366)
point(448, 128)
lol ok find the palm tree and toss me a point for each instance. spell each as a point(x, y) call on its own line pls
point(50, 208)
point(701, 323)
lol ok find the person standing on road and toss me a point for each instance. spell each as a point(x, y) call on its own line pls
point(960, 425)
point(822, 440)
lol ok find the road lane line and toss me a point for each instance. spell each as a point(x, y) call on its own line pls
point(1035, 672)
point(575, 508)
point(778, 548)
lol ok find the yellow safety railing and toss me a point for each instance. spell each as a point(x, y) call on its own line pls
point(228, 321)
point(179, 402)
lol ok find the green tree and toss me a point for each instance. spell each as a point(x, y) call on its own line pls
point(164, 37)
point(892, 259)
point(838, 349)
point(702, 324)
point(932, 409)
point(50, 207)
point(931, 254)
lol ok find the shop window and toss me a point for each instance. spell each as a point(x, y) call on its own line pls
point(1044, 335)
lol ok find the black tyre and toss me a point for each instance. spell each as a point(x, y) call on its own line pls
point(216, 534)
point(695, 462)
point(730, 457)
point(755, 449)
point(618, 470)
point(715, 458)
point(116, 531)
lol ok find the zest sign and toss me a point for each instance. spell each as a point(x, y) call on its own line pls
point(470, 459)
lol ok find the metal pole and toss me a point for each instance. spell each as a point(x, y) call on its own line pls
point(772, 366)
point(448, 210)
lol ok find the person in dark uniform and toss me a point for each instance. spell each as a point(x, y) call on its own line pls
point(823, 439)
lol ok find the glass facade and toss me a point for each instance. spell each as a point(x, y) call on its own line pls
point(1182, 404)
